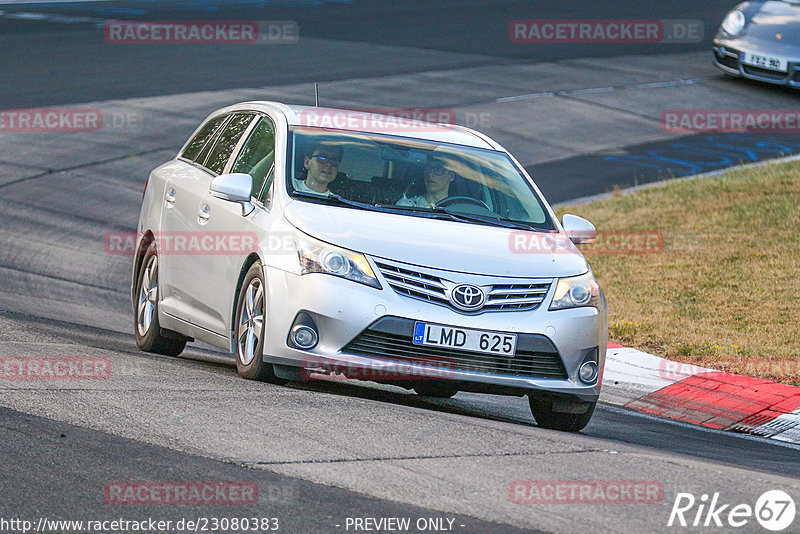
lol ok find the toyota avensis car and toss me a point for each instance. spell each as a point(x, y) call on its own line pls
point(759, 40)
point(315, 242)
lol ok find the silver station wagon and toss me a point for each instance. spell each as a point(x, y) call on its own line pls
point(317, 243)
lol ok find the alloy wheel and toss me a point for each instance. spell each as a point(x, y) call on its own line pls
point(251, 321)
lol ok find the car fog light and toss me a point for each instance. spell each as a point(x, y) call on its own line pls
point(304, 336)
point(588, 372)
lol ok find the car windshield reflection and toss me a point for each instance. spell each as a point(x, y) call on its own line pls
point(364, 171)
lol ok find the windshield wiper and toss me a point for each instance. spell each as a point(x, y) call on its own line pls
point(494, 221)
point(338, 200)
point(525, 225)
point(443, 213)
point(432, 213)
point(409, 208)
point(335, 199)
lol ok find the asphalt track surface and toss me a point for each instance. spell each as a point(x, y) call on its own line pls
point(319, 452)
point(394, 37)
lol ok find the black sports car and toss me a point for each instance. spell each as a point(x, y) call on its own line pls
point(760, 40)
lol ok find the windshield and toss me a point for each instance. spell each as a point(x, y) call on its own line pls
point(412, 177)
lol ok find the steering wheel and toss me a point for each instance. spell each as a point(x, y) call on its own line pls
point(461, 200)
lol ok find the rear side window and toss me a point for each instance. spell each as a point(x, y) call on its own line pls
point(195, 146)
point(227, 141)
point(258, 155)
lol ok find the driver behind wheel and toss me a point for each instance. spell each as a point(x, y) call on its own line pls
point(438, 177)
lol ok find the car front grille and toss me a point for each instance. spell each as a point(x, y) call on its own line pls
point(764, 73)
point(727, 57)
point(728, 61)
point(517, 296)
point(413, 283)
point(390, 338)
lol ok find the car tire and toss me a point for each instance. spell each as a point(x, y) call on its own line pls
point(250, 326)
point(546, 417)
point(441, 391)
point(150, 337)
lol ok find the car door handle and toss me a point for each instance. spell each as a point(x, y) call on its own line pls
point(169, 198)
point(204, 214)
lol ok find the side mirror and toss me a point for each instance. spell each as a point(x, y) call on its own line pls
point(579, 230)
point(236, 187)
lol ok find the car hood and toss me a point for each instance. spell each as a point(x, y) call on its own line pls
point(776, 17)
point(439, 244)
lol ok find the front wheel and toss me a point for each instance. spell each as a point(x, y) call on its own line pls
point(150, 337)
point(571, 417)
point(250, 327)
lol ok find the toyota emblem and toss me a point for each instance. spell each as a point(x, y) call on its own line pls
point(467, 297)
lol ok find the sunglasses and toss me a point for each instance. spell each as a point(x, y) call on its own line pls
point(327, 159)
point(437, 170)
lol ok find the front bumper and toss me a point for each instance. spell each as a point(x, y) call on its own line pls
point(728, 58)
point(554, 344)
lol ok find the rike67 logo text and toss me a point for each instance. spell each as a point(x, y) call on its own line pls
point(774, 510)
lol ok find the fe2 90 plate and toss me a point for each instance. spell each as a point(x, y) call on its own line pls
point(765, 62)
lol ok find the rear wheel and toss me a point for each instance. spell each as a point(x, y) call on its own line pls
point(150, 337)
point(570, 417)
point(250, 327)
point(442, 391)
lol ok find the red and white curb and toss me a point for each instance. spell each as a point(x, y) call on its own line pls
point(702, 396)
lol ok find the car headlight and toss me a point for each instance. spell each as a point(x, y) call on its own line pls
point(576, 292)
point(734, 23)
point(318, 257)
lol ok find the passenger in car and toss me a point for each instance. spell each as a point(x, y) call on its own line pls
point(322, 167)
point(438, 178)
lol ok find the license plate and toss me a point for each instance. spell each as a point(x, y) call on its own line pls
point(765, 62)
point(437, 335)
